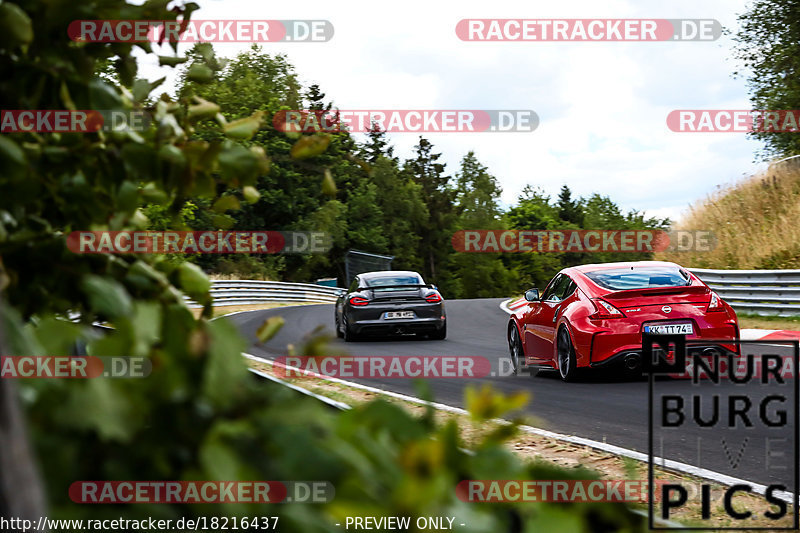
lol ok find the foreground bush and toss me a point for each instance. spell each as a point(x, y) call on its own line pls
point(200, 415)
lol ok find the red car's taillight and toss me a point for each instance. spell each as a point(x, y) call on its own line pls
point(716, 303)
point(358, 301)
point(433, 298)
point(603, 309)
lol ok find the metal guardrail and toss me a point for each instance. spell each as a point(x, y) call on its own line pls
point(246, 292)
point(762, 292)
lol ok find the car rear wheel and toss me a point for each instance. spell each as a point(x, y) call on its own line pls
point(515, 348)
point(338, 326)
point(567, 365)
point(347, 334)
point(441, 334)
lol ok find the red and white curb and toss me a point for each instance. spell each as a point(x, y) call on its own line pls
point(770, 335)
point(511, 305)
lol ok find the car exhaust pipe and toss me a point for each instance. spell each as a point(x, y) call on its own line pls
point(632, 361)
point(711, 353)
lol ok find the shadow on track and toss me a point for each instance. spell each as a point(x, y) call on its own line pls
point(590, 376)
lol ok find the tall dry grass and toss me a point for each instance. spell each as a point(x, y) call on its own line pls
point(756, 223)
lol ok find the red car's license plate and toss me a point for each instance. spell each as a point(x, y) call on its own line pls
point(669, 329)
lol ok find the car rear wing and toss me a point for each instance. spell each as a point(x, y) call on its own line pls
point(378, 287)
point(656, 291)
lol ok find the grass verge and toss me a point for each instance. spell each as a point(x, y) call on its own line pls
point(768, 322)
point(754, 223)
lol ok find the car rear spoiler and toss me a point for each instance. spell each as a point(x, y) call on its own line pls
point(396, 287)
point(655, 291)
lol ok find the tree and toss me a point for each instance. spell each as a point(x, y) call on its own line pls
point(768, 44)
point(289, 190)
point(602, 213)
point(377, 145)
point(332, 216)
point(316, 99)
point(477, 192)
point(477, 197)
point(534, 211)
point(404, 212)
point(568, 209)
point(365, 220)
point(439, 198)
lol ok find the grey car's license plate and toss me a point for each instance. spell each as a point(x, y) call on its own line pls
point(398, 314)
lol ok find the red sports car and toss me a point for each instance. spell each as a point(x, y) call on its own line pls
point(594, 315)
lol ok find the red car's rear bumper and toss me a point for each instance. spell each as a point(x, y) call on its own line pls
point(616, 339)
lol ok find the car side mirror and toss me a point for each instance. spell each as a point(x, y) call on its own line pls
point(532, 295)
point(340, 292)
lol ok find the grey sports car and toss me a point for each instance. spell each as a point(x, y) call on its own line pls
point(390, 302)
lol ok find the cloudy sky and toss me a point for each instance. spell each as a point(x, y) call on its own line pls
point(602, 105)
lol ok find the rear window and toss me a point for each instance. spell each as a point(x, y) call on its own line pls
point(393, 280)
point(621, 279)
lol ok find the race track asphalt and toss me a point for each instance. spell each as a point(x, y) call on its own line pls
point(602, 407)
